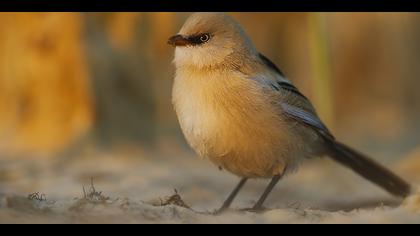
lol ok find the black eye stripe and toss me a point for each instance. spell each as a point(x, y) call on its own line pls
point(199, 39)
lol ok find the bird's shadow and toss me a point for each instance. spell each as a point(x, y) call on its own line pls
point(331, 207)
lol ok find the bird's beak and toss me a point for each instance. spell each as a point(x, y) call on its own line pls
point(178, 40)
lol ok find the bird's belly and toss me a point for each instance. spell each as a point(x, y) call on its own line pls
point(248, 149)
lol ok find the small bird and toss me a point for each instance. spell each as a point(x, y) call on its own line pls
point(237, 109)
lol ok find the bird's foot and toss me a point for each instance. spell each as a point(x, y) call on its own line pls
point(220, 211)
point(256, 209)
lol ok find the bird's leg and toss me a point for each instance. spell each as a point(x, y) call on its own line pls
point(259, 205)
point(232, 196)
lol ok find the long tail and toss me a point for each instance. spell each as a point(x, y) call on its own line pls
point(368, 168)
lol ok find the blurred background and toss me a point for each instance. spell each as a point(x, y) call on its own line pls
point(77, 85)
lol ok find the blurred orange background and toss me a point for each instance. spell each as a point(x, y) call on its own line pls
point(71, 80)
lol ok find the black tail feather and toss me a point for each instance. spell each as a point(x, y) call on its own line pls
point(368, 168)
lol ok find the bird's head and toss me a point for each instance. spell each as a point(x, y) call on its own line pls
point(210, 40)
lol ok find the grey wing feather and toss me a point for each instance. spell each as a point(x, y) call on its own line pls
point(306, 117)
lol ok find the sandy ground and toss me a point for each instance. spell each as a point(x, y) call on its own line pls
point(139, 187)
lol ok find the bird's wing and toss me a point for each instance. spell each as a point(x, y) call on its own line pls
point(307, 118)
point(293, 103)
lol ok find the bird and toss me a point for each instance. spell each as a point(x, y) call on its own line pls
point(237, 109)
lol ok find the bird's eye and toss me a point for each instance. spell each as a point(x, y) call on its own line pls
point(204, 38)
